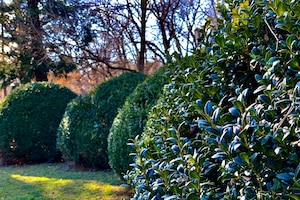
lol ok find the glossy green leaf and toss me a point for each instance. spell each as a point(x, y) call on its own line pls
point(208, 108)
point(259, 89)
point(216, 115)
point(297, 174)
point(294, 196)
point(265, 99)
point(285, 176)
point(234, 111)
point(220, 40)
point(294, 63)
point(192, 196)
point(240, 161)
point(289, 40)
point(239, 104)
point(281, 8)
point(202, 123)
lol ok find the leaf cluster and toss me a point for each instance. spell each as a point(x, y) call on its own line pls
point(227, 124)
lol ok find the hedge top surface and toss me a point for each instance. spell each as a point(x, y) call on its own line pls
point(116, 87)
point(41, 97)
point(111, 95)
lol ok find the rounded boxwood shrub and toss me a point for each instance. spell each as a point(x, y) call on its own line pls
point(83, 131)
point(131, 119)
point(78, 134)
point(228, 124)
point(29, 118)
point(111, 95)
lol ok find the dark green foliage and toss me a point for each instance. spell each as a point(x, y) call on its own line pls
point(111, 95)
point(228, 125)
point(29, 118)
point(83, 132)
point(78, 134)
point(131, 120)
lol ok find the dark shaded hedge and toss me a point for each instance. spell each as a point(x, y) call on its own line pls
point(78, 134)
point(83, 132)
point(131, 119)
point(29, 118)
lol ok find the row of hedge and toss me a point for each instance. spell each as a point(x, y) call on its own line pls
point(43, 122)
point(84, 129)
point(131, 119)
point(40, 121)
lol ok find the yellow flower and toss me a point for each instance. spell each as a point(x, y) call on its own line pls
point(234, 11)
point(245, 5)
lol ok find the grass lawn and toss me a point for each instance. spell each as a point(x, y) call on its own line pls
point(53, 181)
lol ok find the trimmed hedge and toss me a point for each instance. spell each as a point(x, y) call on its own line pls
point(29, 118)
point(111, 95)
point(83, 132)
point(78, 136)
point(227, 126)
point(131, 119)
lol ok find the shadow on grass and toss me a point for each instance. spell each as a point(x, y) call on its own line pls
point(51, 181)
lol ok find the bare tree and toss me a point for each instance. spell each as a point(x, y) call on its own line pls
point(100, 37)
point(108, 36)
point(177, 20)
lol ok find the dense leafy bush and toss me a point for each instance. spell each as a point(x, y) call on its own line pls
point(228, 126)
point(78, 137)
point(83, 131)
point(29, 118)
point(111, 95)
point(131, 119)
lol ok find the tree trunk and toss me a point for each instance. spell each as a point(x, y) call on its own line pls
point(36, 33)
point(141, 58)
point(40, 75)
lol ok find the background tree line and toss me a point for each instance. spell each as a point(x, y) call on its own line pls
point(96, 37)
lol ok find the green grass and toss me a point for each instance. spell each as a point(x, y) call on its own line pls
point(56, 181)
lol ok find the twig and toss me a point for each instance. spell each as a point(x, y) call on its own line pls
point(284, 118)
point(277, 40)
